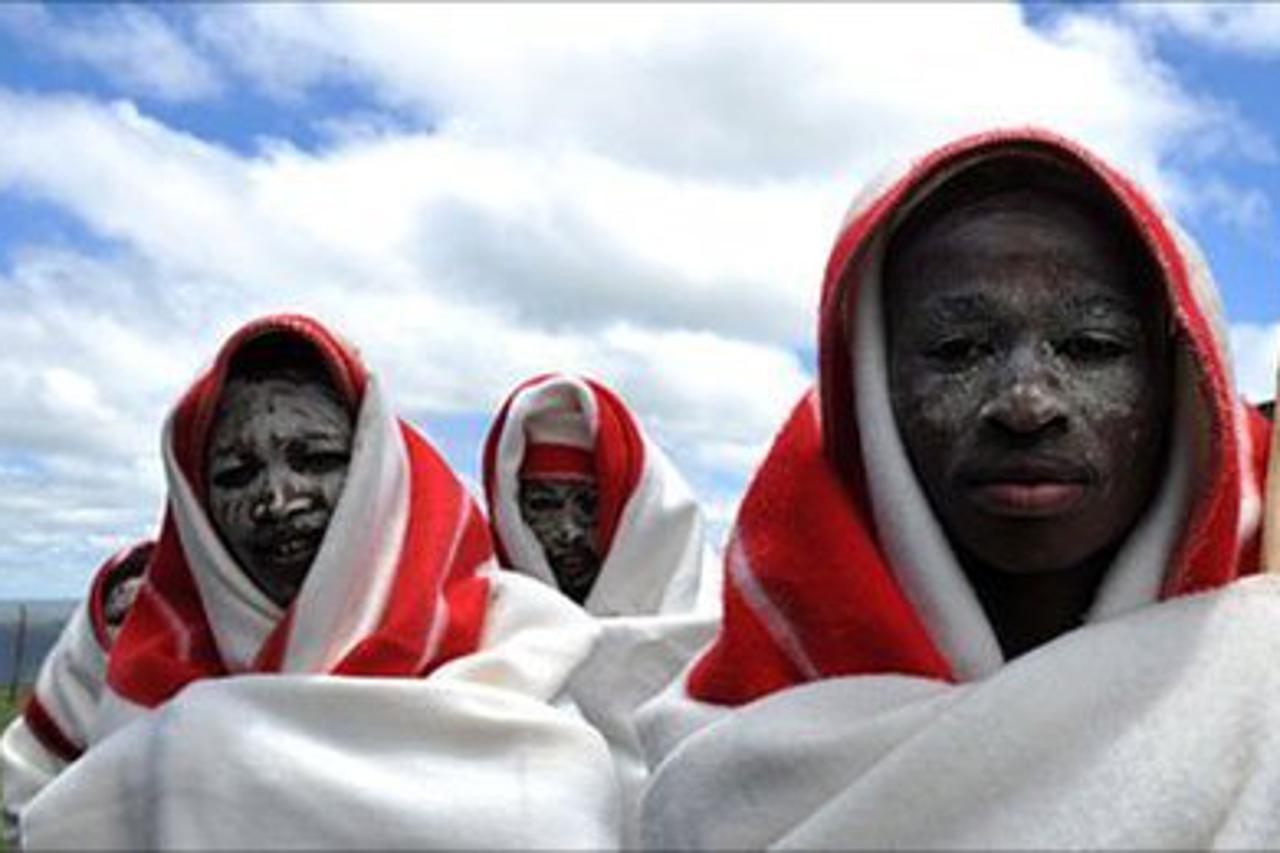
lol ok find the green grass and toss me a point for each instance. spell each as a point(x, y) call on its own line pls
point(8, 710)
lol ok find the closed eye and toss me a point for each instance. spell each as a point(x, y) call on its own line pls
point(1093, 349)
point(321, 461)
point(585, 503)
point(237, 476)
point(955, 354)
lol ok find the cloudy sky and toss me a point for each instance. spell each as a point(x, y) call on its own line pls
point(476, 194)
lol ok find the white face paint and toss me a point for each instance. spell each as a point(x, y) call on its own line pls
point(562, 515)
point(278, 456)
point(119, 600)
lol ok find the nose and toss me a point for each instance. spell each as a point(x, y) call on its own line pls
point(1029, 401)
point(566, 529)
point(278, 498)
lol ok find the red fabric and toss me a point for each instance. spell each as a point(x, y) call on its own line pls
point(805, 539)
point(167, 642)
point(618, 458)
point(125, 564)
point(557, 461)
point(48, 732)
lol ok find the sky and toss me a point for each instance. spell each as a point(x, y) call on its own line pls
point(476, 194)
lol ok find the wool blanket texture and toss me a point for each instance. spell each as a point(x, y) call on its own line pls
point(656, 599)
point(53, 728)
point(856, 695)
point(405, 673)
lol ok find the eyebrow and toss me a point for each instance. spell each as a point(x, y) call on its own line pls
point(319, 436)
point(952, 307)
point(1091, 302)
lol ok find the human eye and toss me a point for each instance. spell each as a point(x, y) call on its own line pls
point(585, 502)
point(236, 475)
point(317, 460)
point(534, 499)
point(958, 353)
point(1094, 348)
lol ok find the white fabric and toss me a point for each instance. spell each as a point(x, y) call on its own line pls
point(70, 685)
point(553, 427)
point(658, 562)
point(657, 596)
point(487, 751)
point(1150, 727)
point(1152, 731)
point(483, 754)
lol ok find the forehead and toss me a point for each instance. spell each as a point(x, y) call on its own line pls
point(294, 405)
point(1014, 241)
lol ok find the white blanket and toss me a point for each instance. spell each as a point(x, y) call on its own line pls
point(1153, 731)
point(70, 683)
point(484, 754)
point(656, 598)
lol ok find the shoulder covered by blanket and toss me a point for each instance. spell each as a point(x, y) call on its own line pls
point(850, 627)
point(408, 695)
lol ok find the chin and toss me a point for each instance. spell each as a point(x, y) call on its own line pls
point(1031, 560)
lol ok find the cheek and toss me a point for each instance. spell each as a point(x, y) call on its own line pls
point(330, 485)
point(538, 522)
point(230, 509)
point(933, 410)
point(1123, 413)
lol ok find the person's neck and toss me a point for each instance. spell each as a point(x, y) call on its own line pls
point(1028, 610)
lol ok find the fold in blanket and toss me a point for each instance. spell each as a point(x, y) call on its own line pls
point(853, 640)
point(53, 728)
point(656, 598)
point(400, 638)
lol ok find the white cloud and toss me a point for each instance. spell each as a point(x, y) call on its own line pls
point(1255, 350)
point(751, 93)
point(1246, 209)
point(647, 195)
point(1251, 28)
point(130, 46)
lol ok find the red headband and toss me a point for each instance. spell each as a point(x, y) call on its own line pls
point(557, 462)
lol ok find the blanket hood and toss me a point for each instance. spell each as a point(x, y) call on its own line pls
point(649, 527)
point(836, 564)
point(395, 589)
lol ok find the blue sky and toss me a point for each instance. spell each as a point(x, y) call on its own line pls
point(477, 194)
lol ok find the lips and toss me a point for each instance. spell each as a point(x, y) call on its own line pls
point(289, 548)
point(576, 567)
point(1028, 488)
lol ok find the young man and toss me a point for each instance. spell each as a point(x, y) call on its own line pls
point(55, 724)
point(323, 653)
point(960, 604)
point(581, 499)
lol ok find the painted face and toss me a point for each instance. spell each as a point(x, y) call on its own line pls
point(562, 514)
point(278, 456)
point(1030, 380)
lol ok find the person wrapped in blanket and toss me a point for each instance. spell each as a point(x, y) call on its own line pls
point(53, 728)
point(988, 588)
point(582, 499)
point(322, 652)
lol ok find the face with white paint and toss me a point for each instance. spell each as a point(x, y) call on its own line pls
point(1030, 378)
point(562, 515)
point(277, 461)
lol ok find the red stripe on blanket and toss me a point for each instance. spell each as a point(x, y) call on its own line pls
point(48, 732)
